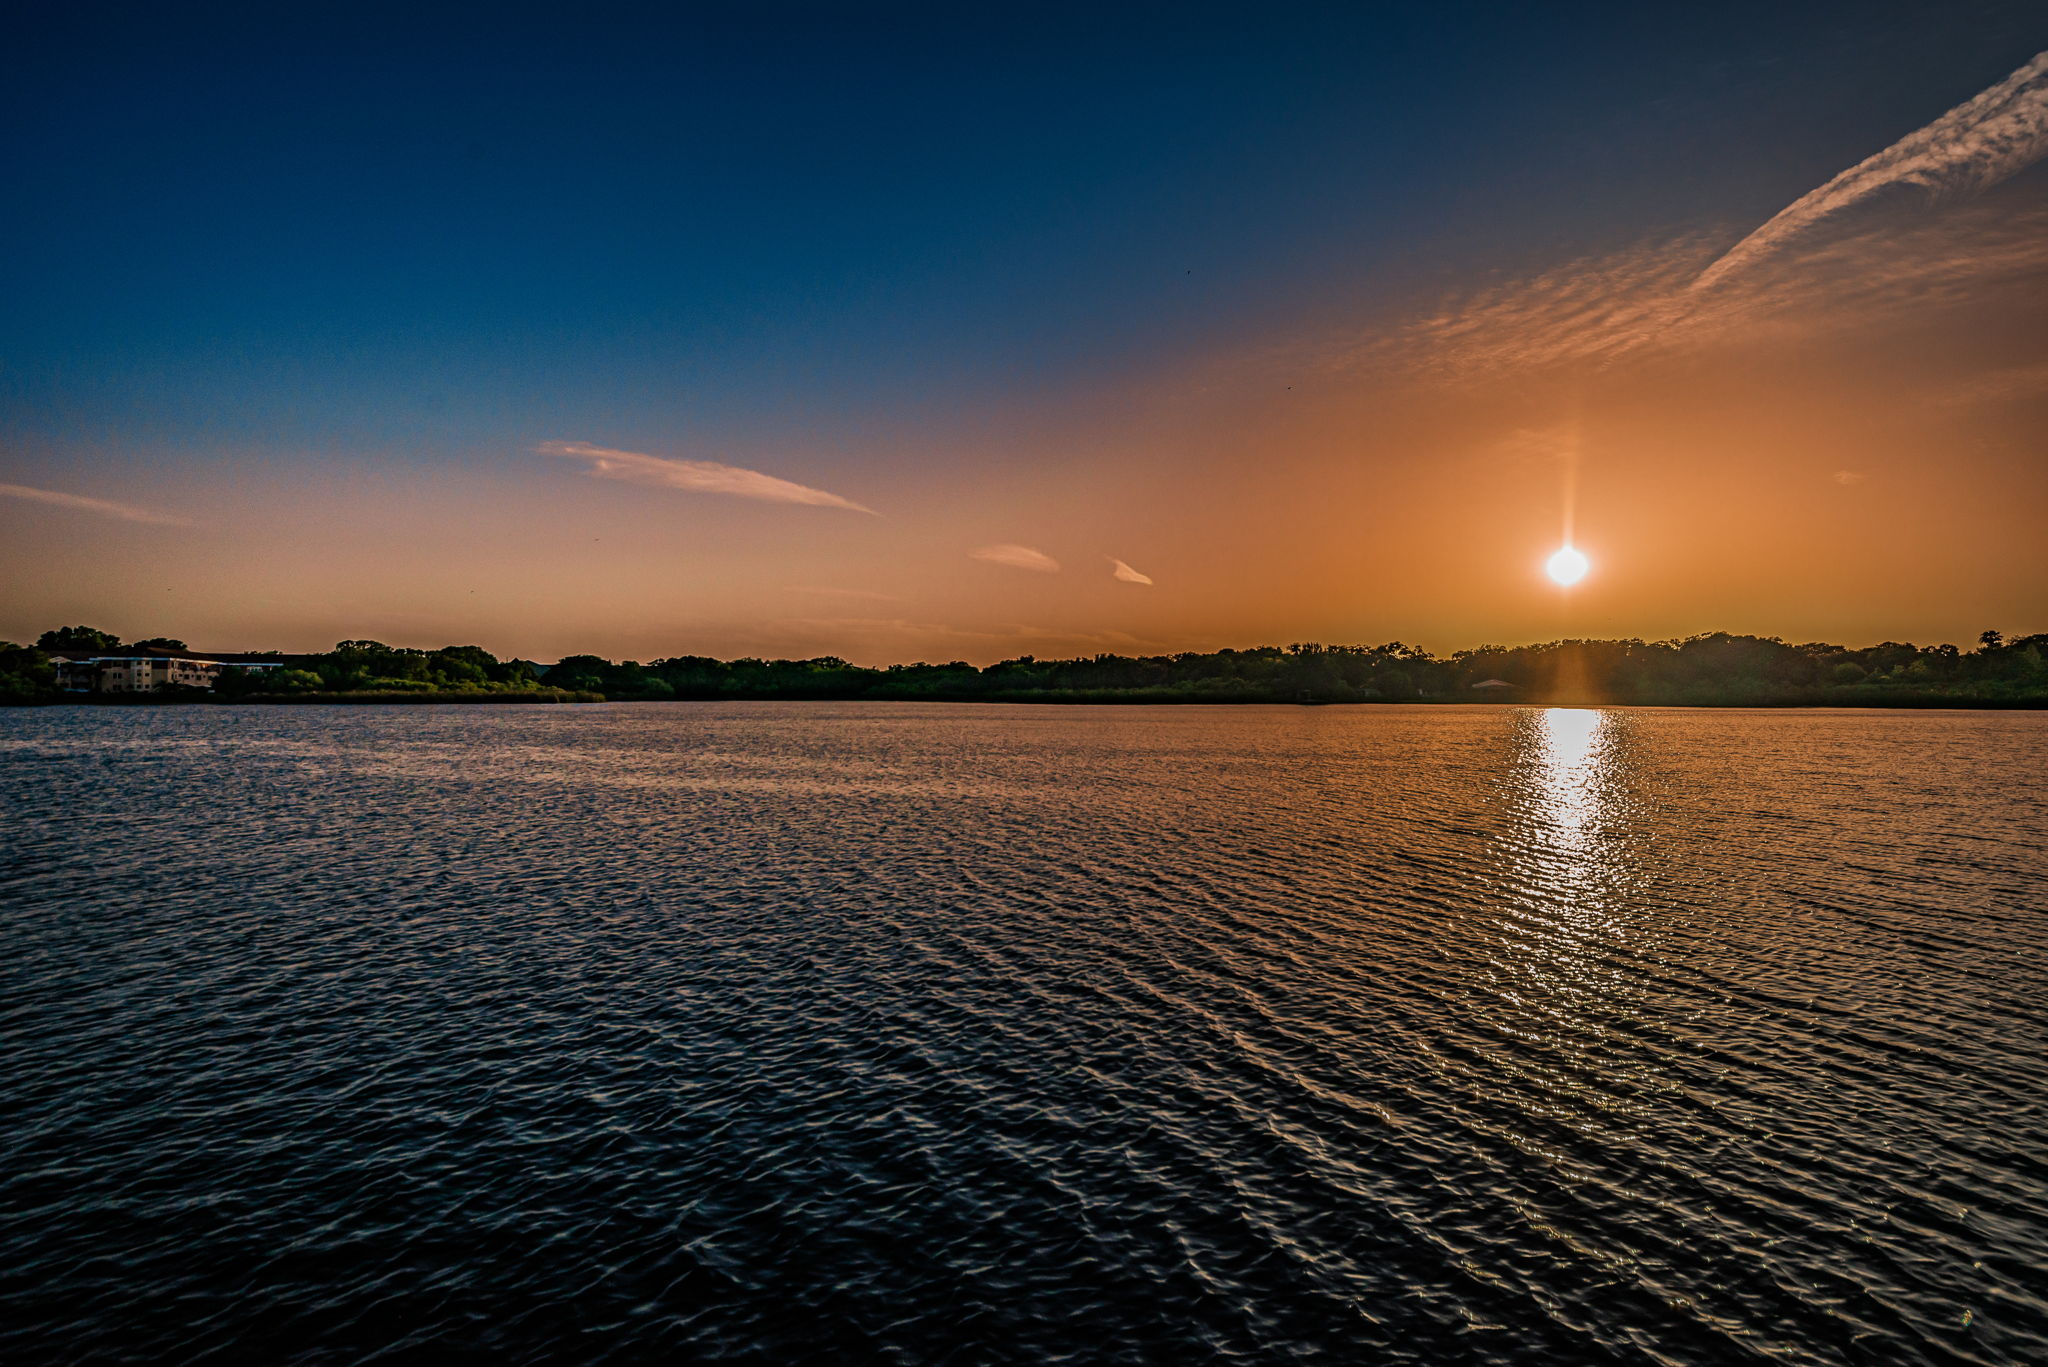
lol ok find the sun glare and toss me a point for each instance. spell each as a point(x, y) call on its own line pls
point(1568, 566)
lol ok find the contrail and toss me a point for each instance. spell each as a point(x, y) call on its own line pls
point(1972, 147)
point(104, 507)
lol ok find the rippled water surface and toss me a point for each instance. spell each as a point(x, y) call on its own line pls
point(840, 1033)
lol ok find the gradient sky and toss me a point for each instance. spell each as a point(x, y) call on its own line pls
point(904, 332)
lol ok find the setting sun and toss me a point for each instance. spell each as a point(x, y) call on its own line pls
point(1568, 566)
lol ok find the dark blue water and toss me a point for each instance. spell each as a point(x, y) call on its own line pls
point(920, 1034)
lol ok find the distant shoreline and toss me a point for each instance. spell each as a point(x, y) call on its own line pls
point(537, 698)
point(1716, 669)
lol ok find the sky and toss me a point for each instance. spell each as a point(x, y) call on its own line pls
point(939, 332)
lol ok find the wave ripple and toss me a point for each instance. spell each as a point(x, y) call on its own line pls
point(926, 1034)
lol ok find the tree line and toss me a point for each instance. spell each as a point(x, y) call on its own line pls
point(1716, 668)
point(354, 671)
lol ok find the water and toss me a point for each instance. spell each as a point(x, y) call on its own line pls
point(845, 1033)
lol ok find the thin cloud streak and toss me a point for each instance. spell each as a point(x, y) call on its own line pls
point(1127, 574)
point(696, 476)
point(1971, 148)
point(1999, 386)
point(1778, 281)
point(101, 507)
point(1595, 314)
point(1017, 558)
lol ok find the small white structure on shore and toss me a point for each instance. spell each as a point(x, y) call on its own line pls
point(146, 670)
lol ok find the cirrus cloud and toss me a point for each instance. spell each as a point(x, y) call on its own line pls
point(1996, 134)
point(1639, 304)
point(1784, 279)
point(1126, 573)
point(1016, 557)
point(99, 507)
point(695, 476)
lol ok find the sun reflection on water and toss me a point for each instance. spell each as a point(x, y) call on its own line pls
point(1573, 758)
point(1570, 868)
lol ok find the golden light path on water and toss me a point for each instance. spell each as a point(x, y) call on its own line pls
point(1572, 865)
point(1573, 758)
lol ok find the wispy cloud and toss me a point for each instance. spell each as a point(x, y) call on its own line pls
point(1972, 147)
point(695, 476)
point(1596, 313)
point(1999, 386)
point(1784, 279)
point(1017, 558)
point(1127, 574)
point(101, 507)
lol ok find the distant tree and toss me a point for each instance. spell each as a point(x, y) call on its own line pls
point(448, 670)
point(372, 664)
point(1991, 640)
point(161, 643)
point(475, 655)
point(584, 673)
point(233, 682)
point(26, 674)
point(78, 638)
point(240, 683)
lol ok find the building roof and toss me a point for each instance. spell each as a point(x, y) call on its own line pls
point(224, 657)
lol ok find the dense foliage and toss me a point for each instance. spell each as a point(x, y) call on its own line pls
point(373, 667)
point(354, 671)
point(1717, 668)
point(78, 638)
point(26, 674)
point(1709, 669)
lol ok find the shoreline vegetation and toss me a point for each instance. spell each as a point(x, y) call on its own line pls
point(1712, 670)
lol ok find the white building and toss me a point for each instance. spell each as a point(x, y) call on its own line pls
point(145, 671)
